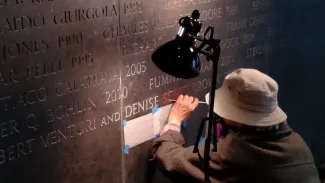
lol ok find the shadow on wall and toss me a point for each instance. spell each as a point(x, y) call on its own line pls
point(299, 70)
point(322, 173)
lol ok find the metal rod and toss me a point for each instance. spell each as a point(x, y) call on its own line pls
point(198, 138)
point(206, 164)
point(200, 102)
point(215, 133)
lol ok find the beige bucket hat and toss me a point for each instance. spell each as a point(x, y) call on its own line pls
point(248, 96)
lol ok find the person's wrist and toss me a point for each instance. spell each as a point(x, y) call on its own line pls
point(175, 121)
point(170, 126)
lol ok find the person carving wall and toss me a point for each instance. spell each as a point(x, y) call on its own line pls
point(258, 144)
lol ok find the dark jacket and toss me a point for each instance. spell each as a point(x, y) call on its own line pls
point(265, 157)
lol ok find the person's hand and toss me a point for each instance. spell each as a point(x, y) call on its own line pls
point(182, 109)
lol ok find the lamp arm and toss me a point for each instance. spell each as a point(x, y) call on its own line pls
point(212, 52)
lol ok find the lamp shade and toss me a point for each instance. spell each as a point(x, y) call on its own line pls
point(177, 58)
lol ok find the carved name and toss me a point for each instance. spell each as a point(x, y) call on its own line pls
point(248, 22)
point(162, 80)
point(7, 3)
point(172, 4)
point(23, 99)
point(114, 31)
point(19, 49)
point(81, 15)
point(22, 23)
point(137, 48)
point(8, 77)
point(138, 107)
point(16, 151)
point(70, 109)
point(8, 128)
point(43, 70)
point(86, 82)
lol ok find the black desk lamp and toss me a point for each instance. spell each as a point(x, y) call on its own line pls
point(180, 59)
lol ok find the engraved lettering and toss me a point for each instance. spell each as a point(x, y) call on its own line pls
point(84, 83)
point(186, 89)
point(248, 38)
point(79, 130)
point(53, 137)
point(2, 156)
point(173, 94)
point(111, 118)
point(4, 130)
point(70, 129)
point(81, 15)
point(47, 141)
point(250, 22)
point(31, 122)
point(40, 1)
point(206, 66)
point(258, 20)
point(232, 10)
point(39, 21)
point(20, 149)
point(14, 50)
point(8, 3)
point(30, 145)
point(8, 128)
point(165, 23)
point(136, 69)
point(91, 124)
point(30, 97)
point(3, 3)
point(145, 105)
point(237, 25)
point(56, 136)
point(133, 7)
point(141, 47)
point(10, 79)
point(19, 1)
point(83, 59)
point(104, 122)
point(255, 51)
point(13, 127)
point(227, 60)
point(162, 80)
point(204, 84)
point(211, 14)
point(261, 4)
point(4, 99)
point(116, 95)
point(50, 115)
point(229, 43)
point(15, 24)
point(70, 40)
point(70, 109)
point(10, 153)
point(43, 70)
point(23, 48)
point(173, 4)
point(61, 136)
point(113, 32)
point(14, 152)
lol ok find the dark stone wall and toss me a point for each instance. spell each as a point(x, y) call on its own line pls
point(72, 71)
